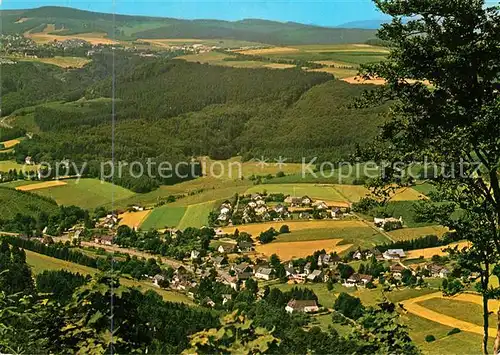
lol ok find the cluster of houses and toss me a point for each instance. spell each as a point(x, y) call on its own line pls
point(257, 210)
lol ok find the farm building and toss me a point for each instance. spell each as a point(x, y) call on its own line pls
point(438, 271)
point(358, 280)
point(394, 254)
point(104, 239)
point(264, 273)
point(304, 306)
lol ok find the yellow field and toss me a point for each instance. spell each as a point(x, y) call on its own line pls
point(359, 80)
point(412, 306)
point(287, 251)
point(63, 62)
point(279, 66)
point(133, 219)
point(273, 50)
point(42, 185)
point(428, 253)
point(11, 143)
point(412, 233)
point(257, 228)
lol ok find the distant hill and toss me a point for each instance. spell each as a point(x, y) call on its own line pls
point(69, 21)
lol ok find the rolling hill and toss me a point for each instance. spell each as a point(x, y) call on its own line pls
point(68, 21)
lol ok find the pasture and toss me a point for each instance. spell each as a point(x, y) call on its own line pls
point(40, 263)
point(41, 185)
point(294, 250)
point(163, 217)
point(196, 215)
point(462, 310)
point(133, 219)
point(85, 193)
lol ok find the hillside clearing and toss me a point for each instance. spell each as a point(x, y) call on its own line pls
point(85, 193)
point(41, 185)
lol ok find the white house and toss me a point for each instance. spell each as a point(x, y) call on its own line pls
point(264, 273)
point(394, 254)
point(304, 306)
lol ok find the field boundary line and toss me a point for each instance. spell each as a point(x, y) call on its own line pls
point(413, 307)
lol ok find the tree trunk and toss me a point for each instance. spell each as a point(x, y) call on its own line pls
point(485, 323)
point(496, 349)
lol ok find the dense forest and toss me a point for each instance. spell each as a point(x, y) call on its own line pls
point(72, 21)
point(172, 110)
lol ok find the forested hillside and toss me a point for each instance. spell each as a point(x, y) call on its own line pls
point(71, 21)
point(172, 110)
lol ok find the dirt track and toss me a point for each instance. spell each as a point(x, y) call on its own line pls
point(412, 306)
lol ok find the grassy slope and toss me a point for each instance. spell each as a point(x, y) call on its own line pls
point(164, 216)
point(13, 202)
point(40, 262)
point(86, 193)
point(197, 215)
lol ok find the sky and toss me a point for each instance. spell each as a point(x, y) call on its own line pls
point(318, 12)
